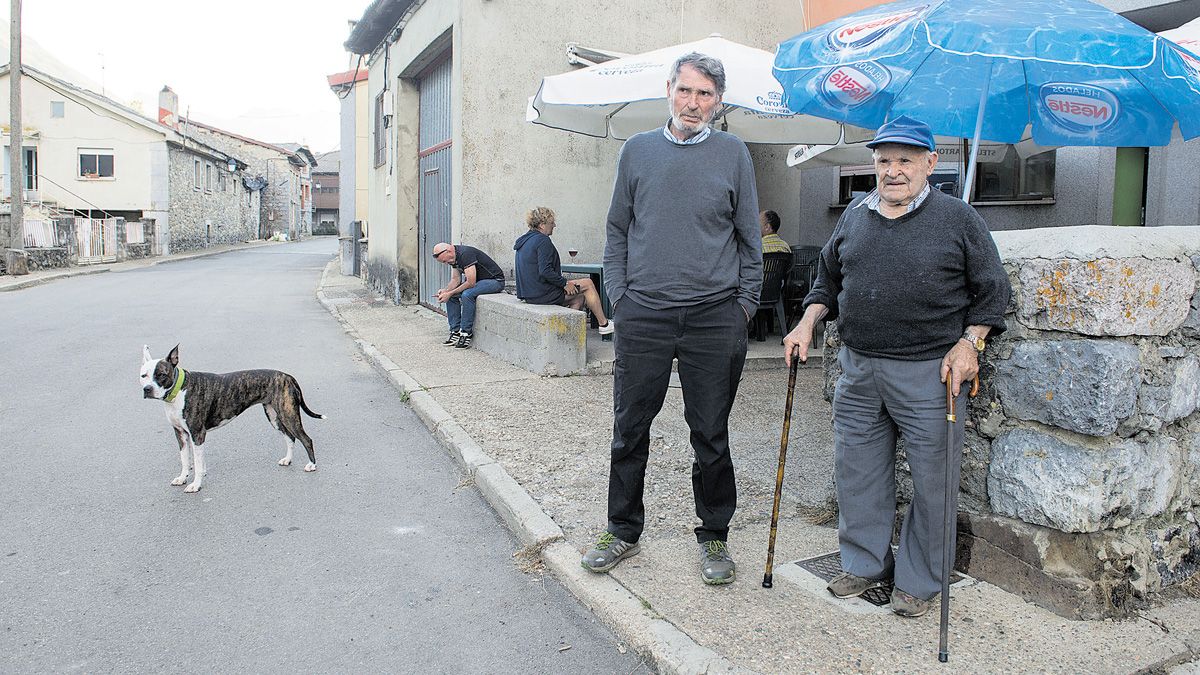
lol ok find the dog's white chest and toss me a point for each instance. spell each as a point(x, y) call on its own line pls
point(174, 411)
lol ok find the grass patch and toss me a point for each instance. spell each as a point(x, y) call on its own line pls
point(529, 559)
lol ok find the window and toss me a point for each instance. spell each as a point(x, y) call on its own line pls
point(1010, 177)
point(221, 181)
point(196, 178)
point(380, 131)
point(208, 178)
point(1001, 175)
point(58, 109)
point(95, 163)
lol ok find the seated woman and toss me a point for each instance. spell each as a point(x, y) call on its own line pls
point(539, 272)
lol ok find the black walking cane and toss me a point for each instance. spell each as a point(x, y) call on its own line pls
point(950, 517)
point(783, 443)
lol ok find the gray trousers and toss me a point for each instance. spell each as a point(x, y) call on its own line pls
point(876, 401)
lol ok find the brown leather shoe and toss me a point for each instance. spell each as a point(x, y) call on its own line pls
point(846, 585)
point(908, 605)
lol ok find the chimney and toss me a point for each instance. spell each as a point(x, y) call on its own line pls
point(168, 105)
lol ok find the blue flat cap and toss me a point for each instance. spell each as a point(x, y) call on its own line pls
point(905, 131)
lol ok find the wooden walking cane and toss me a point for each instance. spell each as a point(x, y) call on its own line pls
point(783, 443)
point(949, 516)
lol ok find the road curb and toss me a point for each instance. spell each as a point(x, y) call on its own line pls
point(137, 264)
point(47, 279)
point(634, 621)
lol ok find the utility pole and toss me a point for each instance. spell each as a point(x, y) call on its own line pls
point(14, 257)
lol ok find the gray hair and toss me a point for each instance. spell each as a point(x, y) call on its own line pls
point(709, 66)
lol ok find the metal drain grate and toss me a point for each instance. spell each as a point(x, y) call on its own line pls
point(827, 566)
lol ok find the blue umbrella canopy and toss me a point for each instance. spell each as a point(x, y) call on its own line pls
point(1072, 72)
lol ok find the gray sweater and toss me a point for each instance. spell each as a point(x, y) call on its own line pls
point(906, 287)
point(683, 224)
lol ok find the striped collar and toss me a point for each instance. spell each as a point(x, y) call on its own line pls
point(872, 200)
point(698, 138)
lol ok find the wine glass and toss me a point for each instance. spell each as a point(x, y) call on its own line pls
point(572, 252)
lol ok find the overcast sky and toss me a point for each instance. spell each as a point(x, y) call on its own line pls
point(254, 67)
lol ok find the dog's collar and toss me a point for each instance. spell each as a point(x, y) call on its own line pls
point(178, 385)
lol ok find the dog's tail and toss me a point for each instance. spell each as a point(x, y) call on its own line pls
point(300, 400)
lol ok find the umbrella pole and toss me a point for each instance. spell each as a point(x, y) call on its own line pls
point(970, 180)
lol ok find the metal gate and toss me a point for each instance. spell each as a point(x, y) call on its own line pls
point(97, 240)
point(433, 207)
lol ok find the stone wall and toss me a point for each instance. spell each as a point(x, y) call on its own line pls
point(200, 218)
point(45, 258)
point(1081, 467)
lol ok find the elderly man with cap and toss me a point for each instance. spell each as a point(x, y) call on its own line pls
point(913, 278)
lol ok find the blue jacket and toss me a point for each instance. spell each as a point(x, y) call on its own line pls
point(539, 270)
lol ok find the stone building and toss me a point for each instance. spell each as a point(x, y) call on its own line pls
point(135, 169)
point(326, 178)
point(281, 172)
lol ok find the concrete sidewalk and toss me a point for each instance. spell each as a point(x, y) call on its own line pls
point(37, 277)
point(538, 449)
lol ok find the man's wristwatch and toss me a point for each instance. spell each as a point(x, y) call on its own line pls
point(976, 341)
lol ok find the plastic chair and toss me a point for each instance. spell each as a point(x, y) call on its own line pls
point(800, 281)
point(776, 267)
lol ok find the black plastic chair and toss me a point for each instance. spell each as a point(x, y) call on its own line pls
point(776, 267)
point(800, 281)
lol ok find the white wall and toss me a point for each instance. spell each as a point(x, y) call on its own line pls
point(58, 141)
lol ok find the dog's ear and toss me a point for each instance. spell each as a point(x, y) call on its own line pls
point(146, 354)
point(173, 357)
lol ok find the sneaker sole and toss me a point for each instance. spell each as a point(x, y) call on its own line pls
point(601, 570)
point(719, 582)
point(877, 584)
point(910, 615)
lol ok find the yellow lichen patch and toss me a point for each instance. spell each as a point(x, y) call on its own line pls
point(1049, 396)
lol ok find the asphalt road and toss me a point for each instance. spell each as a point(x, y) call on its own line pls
point(383, 560)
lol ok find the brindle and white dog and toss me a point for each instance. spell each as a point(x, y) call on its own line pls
point(199, 402)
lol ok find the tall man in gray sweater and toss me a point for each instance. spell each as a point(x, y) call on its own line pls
point(915, 282)
point(683, 268)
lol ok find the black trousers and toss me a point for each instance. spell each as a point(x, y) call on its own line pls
point(710, 342)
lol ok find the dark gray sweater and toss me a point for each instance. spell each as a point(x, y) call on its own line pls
point(905, 288)
point(683, 224)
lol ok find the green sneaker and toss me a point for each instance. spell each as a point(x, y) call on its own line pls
point(716, 565)
point(607, 552)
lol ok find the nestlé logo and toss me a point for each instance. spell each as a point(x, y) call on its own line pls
point(867, 30)
point(854, 84)
point(1080, 108)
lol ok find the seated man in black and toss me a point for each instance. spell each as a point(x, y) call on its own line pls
point(539, 272)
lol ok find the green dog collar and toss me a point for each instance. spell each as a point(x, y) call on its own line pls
point(178, 386)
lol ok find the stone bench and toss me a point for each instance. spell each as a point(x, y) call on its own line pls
point(544, 339)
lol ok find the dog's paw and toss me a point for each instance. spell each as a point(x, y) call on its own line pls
point(192, 487)
point(310, 467)
point(179, 480)
point(285, 462)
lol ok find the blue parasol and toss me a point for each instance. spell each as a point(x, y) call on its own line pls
point(1070, 72)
